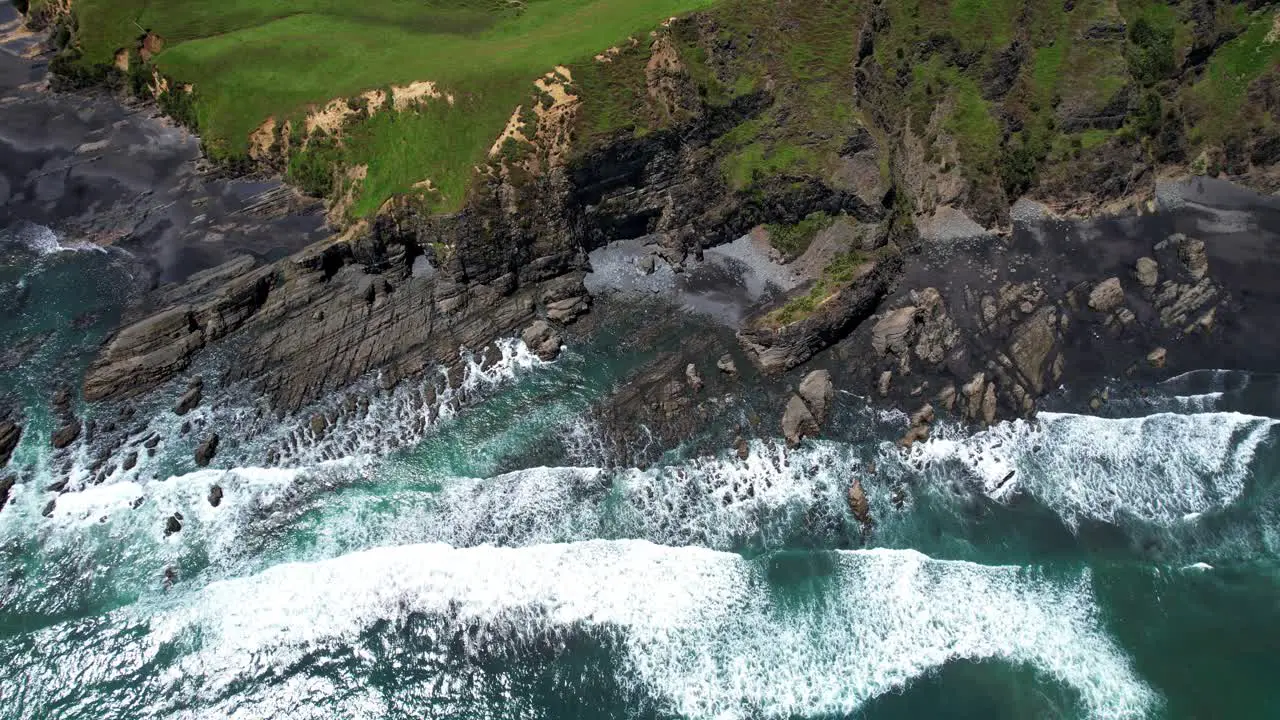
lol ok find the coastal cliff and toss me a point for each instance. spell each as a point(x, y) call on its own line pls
point(884, 133)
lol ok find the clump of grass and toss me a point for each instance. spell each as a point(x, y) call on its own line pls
point(835, 277)
point(793, 240)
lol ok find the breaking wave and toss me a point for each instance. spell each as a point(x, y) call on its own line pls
point(706, 634)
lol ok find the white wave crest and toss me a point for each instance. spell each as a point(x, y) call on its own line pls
point(706, 632)
point(1159, 468)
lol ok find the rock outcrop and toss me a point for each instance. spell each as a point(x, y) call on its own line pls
point(798, 422)
point(10, 436)
point(206, 450)
point(807, 411)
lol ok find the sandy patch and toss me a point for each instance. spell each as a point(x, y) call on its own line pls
point(608, 55)
point(514, 130)
point(375, 99)
point(330, 118)
point(349, 185)
point(405, 97)
point(263, 139)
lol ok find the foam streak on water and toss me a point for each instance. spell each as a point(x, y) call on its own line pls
point(1159, 468)
point(707, 633)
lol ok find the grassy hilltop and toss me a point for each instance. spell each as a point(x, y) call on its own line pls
point(997, 97)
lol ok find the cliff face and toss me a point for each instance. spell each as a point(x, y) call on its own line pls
point(891, 120)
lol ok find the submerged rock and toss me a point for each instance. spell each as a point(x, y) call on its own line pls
point(215, 495)
point(206, 450)
point(859, 506)
point(130, 461)
point(189, 400)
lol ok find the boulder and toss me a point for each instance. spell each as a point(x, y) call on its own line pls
point(567, 310)
point(817, 391)
point(206, 450)
point(893, 332)
point(66, 434)
point(726, 365)
point(189, 400)
point(542, 340)
point(215, 495)
point(694, 379)
point(49, 508)
point(1033, 342)
point(1147, 271)
point(173, 524)
point(130, 461)
point(886, 378)
point(1107, 295)
point(859, 506)
point(744, 450)
point(645, 264)
point(797, 422)
point(916, 433)
point(923, 416)
point(1157, 357)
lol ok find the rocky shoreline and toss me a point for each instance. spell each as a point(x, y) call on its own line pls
point(975, 326)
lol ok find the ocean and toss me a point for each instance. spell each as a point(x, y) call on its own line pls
point(479, 553)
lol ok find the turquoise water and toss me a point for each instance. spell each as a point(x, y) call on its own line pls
point(482, 556)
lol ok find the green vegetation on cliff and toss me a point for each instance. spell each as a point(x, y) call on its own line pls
point(963, 102)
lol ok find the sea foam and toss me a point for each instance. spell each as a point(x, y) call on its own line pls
point(1158, 468)
point(705, 632)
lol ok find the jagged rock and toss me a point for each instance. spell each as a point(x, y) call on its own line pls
point(1176, 301)
point(972, 392)
point(937, 332)
point(989, 404)
point(1157, 357)
point(694, 379)
point(206, 450)
point(893, 332)
point(215, 495)
point(817, 391)
point(10, 435)
point(742, 447)
point(567, 310)
point(319, 423)
point(1107, 295)
point(1147, 271)
point(189, 400)
point(130, 461)
point(859, 506)
point(66, 434)
point(645, 264)
point(778, 348)
point(1191, 252)
point(6, 485)
point(1033, 341)
point(726, 365)
point(914, 434)
point(173, 524)
point(886, 378)
point(49, 507)
point(947, 397)
point(153, 440)
point(542, 339)
point(923, 416)
point(62, 400)
point(797, 422)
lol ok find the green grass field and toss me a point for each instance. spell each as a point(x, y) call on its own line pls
point(253, 59)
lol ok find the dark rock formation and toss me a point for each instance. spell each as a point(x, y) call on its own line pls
point(776, 349)
point(10, 435)
point(206, 450)
point(817, 391)
point(6, 485)
point(543, 340)
point(189, 400)
point(173, 524)
point(798, 422)
point(215, 495)
point(67, 434)
point(726, 365)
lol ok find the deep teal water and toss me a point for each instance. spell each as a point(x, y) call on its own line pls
point(496, 568)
